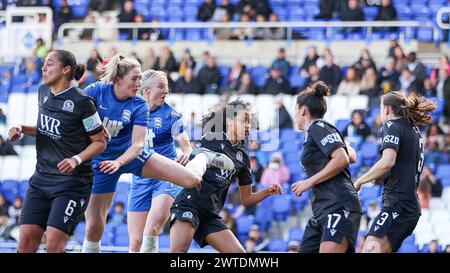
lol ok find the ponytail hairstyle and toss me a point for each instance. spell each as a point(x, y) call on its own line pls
point(68, 59)
point(118, 66)
point(413, 108)
point(314, 99)
point(217, 117)
point(150, 76)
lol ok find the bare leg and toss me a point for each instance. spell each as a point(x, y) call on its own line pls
point(136, 224)
point(181, 234)
point(377, 245)
point(225, 242)
point(56, 240)
point(29, 239)
point(333, 247)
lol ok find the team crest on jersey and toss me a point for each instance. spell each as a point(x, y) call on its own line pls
point(126, 116)
point(158, 122)
point(68, 106)
point(239, 156)
point(187, 215)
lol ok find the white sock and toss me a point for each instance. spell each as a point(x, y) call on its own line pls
point(91, 247)
point(198, 164)
point(150, 244)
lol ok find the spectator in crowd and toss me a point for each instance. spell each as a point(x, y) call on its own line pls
point(408, 83)
point(358, 130)
point(310, 59)
point(2, 117)
point(372, 211)
point(32, 73)
point(209, 76)
point(250, 245)
point(400, 59)
point(274, 33)
point(313, 76)
point(187, 61)
point(262, 7)
point(283, 118)
point(4, 216)
point(106, 30)
point(447, 249)
point(64, 15)
point(119, 216)
point(424, 194)
point(206, 10)
point(99, 5)
point(256, 169)
point(6, 148)
point(149, 60)
point(228, 220)
point(276, 172)
point(293, 246)
point(94, 59)
point(41, 48)
point(188, 84)
point(91, 76)
point(277, 83)
point(228, 7)
point(15, 209)
point(88, 33)
point(364, 62)
point(155, 33)
point(142, 33)
point(353, 13)
point(261, 242)
point(235, 75)
point(444, 63)
point(242, 33)
point(245, 85)
point(433, 154)
point(245, 7)
point(376, 131)
point(419, 70)
point(330, 73)
point(436, 185)
point(386, 12)
point(433, 247)
point(369, 86)
point(393, 43)
point(350, 86)
point(442, 77)
point(428, 89)
point(389, 76)
point(260, 32)
point(446, 97)
point(127, 15)
point(201, 63)
point(224, 33)
point(255, 151)
point(329, 7)
point(166, 61)
point(282, 63)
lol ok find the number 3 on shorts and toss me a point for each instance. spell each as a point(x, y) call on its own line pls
point(70, 207)
point(383, 218)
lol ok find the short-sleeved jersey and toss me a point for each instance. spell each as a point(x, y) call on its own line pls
point(65, 122)
point(400, 183)
point(216, 182)
point(118, 117)
point(338, 192)
point(164, 125)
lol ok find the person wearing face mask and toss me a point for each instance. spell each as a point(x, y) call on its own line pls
point(276, 172)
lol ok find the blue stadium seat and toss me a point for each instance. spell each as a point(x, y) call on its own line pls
point(121, 240)
point(368, 194)
point(194, 34)
point(281, 207)
point(121, 229)
point(300, 202)
point(10, 189)
point(122, 188)
point(23, 188)
point(443, 171)
point(408, 248)
point(108, 235)
point(424, 34)
point(277, 245)
point(224, 71)
point(259, 75)
point(244, 224)
point(341, 124)
point(369, 153)
point(80, 8)
point(263, 218)
point(80, 232)
point(370, 12)
point(296, 234)
point(292, 157)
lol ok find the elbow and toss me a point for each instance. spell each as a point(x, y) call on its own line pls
point(102, 145)
point(389, 163)
point(137, 149)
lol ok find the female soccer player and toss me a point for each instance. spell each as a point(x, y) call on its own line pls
point(195, 213)
point(325, 156)
point(150, 200)
point(125, 115)
point(68, 134)
point(401, 162)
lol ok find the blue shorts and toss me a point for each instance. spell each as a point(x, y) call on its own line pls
point(106, 183)
point(143, 190)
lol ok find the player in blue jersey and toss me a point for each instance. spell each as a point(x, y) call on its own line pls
point(150, 199)
point(125, 115)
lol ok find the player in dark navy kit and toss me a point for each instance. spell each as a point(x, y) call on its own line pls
point(325, 157)
point(195, 213)
point(401, 162)
point(125, 115)
point(68, 133)
point(150, 199)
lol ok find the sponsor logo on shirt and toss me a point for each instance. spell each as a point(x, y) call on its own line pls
point(239, 156)
point(50, 127)
point(126, 116)
point(158, 122)
point(331, 138)
point(113, 126)
point(391, 139)
point(68, 106)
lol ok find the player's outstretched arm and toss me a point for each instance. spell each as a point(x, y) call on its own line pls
point(97, 146)
point(137, 144)
point(15, 133)
point(339, 161)
point(351, 153)
point(249, 198)
point(386, 162)
point(185, 145)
